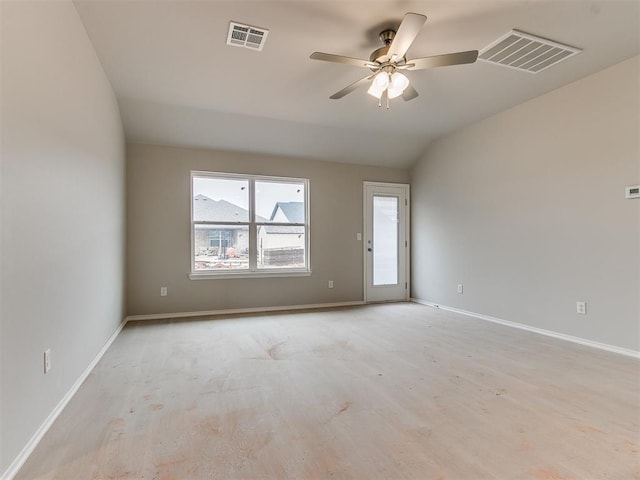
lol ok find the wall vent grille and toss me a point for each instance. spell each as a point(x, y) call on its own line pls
point(526, 52)
point(246, 36)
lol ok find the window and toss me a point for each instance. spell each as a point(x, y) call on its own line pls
point(248, 225)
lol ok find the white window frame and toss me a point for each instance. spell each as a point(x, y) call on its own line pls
point(252, 271)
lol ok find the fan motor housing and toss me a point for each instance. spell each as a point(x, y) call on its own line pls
point(380, 55)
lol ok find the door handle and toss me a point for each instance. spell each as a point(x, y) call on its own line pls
point(369, 250)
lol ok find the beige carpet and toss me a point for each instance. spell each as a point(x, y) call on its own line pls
point(381, 391)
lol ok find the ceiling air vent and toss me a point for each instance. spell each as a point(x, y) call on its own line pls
point(527, 52)
point(246, 36)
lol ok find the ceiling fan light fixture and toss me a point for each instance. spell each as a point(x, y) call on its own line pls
point(375, 91)
point(381, 80)
point(379, 84)
point(399, 82)
point(393, 92)
point(384, 62)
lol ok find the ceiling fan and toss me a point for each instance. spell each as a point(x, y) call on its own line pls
point(386, 62)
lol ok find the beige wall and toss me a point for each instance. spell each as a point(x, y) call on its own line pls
point(527, 210)
point(158, 227)
point(62, 213)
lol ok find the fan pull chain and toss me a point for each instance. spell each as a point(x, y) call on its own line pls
point(380, 102)
point(385, 94)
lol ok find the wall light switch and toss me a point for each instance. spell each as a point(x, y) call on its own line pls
point(460, 288)
point(359, 237)
point(47, 360)
point(163, 291)
point(330, 283)
point(581, 308)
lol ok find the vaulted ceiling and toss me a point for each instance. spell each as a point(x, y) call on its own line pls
point(178, 83)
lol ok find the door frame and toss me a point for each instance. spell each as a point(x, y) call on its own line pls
point(367, 228)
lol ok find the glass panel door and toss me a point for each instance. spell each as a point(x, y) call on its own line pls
point(386, 245)
point(385, 239)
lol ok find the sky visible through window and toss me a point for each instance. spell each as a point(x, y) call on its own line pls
point(235, 190)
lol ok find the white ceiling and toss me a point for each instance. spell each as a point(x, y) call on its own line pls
point(178, 83)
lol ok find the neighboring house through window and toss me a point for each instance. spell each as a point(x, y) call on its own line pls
point(283, 243)
point(248, 225)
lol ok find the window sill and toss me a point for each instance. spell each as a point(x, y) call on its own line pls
point(227, 275)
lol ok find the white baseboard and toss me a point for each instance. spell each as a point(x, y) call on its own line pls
point(28, 449)
point(549, 333)
point(235, 311)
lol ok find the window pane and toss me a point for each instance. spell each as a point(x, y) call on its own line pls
point(281, 246)
point(385, 240)
point(220, 200)
point(280, 202)
point(223, 218)
point(221, 247)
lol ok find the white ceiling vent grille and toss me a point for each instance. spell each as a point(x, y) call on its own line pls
point(246, 36)
point(527, 52)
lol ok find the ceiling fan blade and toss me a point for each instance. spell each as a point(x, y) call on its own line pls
point(407, 32)
point(444, 60)
point(328, 57)
point(350, 88)
point(409, 93)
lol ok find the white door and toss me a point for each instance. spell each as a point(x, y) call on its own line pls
point(386, 242)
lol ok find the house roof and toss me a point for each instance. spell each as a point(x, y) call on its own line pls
point(206, 209)
point(294, 211)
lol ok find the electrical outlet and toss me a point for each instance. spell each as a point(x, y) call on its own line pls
point(330, 283)
point(581, 308)
point(632, 192)
point(460, 288)
point(163, 291)
point(47, 360)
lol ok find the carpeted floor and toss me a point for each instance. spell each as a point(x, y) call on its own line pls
point(380, 391)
